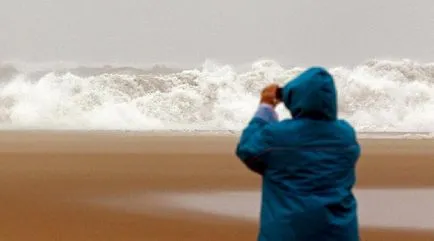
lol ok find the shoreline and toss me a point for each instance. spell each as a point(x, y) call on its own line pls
point(137, 142)
point(176, 132)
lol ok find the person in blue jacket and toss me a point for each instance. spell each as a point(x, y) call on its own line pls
point(307, 163)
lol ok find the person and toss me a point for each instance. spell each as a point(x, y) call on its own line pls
point(307, 163)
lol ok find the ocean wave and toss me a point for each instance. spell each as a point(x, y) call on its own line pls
point(376, 96)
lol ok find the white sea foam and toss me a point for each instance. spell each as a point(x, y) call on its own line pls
point(377, 96)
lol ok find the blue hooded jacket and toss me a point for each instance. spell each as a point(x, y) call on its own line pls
point(307, 164)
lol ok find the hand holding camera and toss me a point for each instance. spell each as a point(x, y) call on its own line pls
point(271, 95)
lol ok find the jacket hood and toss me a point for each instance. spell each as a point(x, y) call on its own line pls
point(311, 95)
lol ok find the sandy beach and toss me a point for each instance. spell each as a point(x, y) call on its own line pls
point(81, 186)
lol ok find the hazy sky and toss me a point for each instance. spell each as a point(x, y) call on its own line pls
point(296, 32)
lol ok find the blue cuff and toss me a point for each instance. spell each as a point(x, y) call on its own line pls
point(267, 113)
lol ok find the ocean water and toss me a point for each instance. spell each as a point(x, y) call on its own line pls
point(394, 208)
point(375, 96)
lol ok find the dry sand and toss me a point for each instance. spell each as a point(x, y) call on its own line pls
point(49, 179)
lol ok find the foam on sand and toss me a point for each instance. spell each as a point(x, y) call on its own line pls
point(381, 208)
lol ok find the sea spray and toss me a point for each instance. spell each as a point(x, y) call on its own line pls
point(376, 96)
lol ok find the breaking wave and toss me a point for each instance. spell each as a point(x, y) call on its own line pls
point(376, 96)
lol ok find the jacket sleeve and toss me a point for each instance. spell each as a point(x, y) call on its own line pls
point(255, 139)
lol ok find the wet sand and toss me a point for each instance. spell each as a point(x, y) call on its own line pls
point(52, 184)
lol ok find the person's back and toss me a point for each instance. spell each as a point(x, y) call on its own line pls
point(307, 164)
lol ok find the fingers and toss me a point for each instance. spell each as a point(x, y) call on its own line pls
point(271, 87)
point(268, 95)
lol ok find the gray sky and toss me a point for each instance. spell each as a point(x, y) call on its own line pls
point(298, 32)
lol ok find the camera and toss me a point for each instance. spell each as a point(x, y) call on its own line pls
point(279, 93)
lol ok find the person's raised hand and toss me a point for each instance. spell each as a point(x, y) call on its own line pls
point(268, 95)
